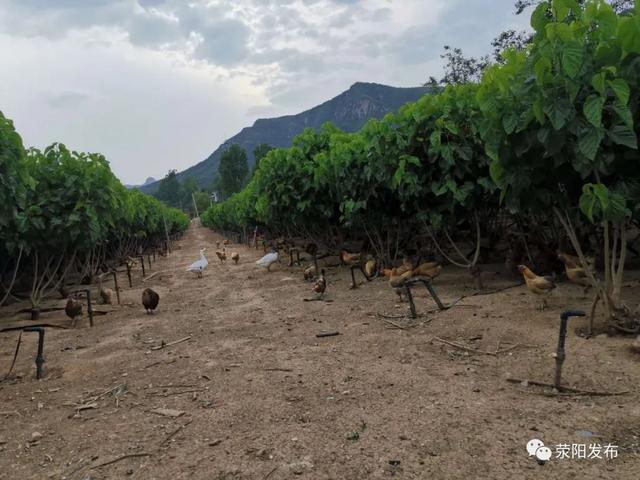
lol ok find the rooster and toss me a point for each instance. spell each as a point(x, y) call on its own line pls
point(575, 273)
point(430, 269)
point(538, 285)
point(150, 300)
point(350, 258)
point(73, 309)
point(321, 285)
point(222, 256)
point(371, 268)
point(235, 257)
point(106, 294)
point(309, 273)
point(398, 271)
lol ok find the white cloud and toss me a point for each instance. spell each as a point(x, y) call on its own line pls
point(158, 84)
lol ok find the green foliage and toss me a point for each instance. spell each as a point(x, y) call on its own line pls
point(259, 153)
point(232, 171)
point(202, 199)
point(554, 125)
point(575, 93)
point(58, 201)
point(169, 190)
point(14, 180)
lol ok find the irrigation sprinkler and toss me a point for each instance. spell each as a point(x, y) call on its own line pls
point(115, 283)
point(560, 353)
point(128, 265)
point(144, 273)
point(427, 282)
point(39, 356)
point(87, 293)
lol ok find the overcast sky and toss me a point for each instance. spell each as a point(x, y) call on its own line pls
point(159, 84)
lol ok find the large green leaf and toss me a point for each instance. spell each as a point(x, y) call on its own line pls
point(538, 109)
point(510, 122)
point(572, 58)
point(607, 53)
point(496, 171)
point(593, 109)
point(599, 82)
point(621, 89)
point(607, 19)
point(623, 135)
point(594, 197)
point(624, 113)
point(629, 33)
point(558, 112)
point(589, 142)
point(539, 18)
point(543, 71)
point(561, 8)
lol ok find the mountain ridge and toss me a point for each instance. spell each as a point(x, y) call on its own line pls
point(349, 111)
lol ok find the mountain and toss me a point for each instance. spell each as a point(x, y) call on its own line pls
point(349, 111)
point(148, 181)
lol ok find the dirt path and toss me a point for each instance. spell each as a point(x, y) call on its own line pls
point(263, 397)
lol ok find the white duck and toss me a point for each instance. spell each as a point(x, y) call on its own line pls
point(268, 260)
point(199, 265)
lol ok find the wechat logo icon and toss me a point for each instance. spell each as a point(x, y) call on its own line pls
point(536, 448)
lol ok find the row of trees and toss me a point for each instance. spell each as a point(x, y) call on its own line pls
point(64, 215)
point(233, 170)
point(233, 175)
point(549, 134)
point(186, 195)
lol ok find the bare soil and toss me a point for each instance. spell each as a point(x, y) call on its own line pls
point(264, 398)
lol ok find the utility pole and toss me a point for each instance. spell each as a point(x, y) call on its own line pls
point(166, 232)
point(194, 204)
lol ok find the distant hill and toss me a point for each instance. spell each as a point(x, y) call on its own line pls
point(349, 111)
point(148, 181)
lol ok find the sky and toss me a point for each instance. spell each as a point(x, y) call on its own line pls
point(159, 84)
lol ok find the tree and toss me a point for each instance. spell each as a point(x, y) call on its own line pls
point(232, 171)
point(460, 69)
point(64, 216)
point(169, 189)
point(509, 40)
point(563, 137)
point(187, 188)
point(14, 184)
point(259, 153)
point(202, 199)
point(618, 5)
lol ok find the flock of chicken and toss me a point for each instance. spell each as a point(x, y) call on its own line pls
point(543, 286)
point(397, 276)
point(370, 267)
